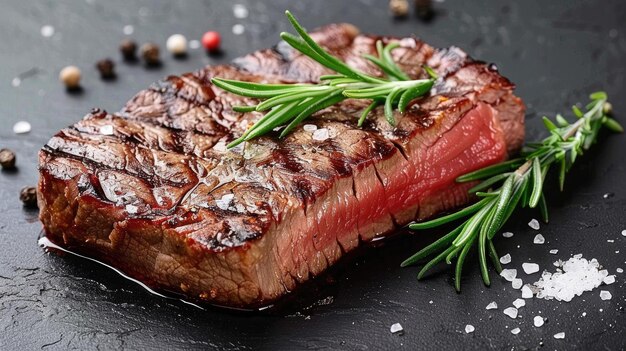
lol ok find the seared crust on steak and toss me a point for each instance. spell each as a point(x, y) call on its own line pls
point(153, 191)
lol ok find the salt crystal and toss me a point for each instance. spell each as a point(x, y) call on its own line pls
point(610, 241)
point(619, 270)
point(469, 328)
point(320, 134)
point(506, 259)
point(609, 279)
point(309, 127)
point(515, 331)
point(572, 278)
point(106, 130)
point(578, 256)
point(430, 302)
point(492, 305)
point(554, 251)
point(517, 283)
point(560, 335)
point(131, 209)
point(16, 82)
point(605, 295)
point(624, 232)
point(539, 239)
point(128, 29)
point(538, 321)
point(530, 268)
point(396, 328)
point(21, 127)
point(194, 44)
point(509, 274)
point(47, 31)
point(534, 224)
point(240, 11)
point(510, 235)
point(584, 314)
point(527, 293)
point(511, 312)
point(519, 303)
point(224, 202)
point(238, 29)
point(220, 146)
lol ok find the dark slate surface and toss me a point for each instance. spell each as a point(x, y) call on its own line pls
point(556, 51)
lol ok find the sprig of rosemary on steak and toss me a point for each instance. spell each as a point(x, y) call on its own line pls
point(290, 104)
point(506, 186)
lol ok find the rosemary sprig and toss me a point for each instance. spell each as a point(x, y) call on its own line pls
point(512, 184)
point(290, 104)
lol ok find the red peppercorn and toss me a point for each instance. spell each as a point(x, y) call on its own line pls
point(211, 41)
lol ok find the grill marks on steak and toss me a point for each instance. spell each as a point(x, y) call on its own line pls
point(161, 198)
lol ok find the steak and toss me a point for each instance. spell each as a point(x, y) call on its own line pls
point(153, 191)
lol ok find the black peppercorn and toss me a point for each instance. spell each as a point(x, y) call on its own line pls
point(28, 196)
point(7, 159)
point(129, 50)
point(105, 67)
point(424, 9)
point(150, 54)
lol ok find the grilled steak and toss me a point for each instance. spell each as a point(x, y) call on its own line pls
point(153, 191)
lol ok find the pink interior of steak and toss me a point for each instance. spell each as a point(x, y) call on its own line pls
point(161, 198)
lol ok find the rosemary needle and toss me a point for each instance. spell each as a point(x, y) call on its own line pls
point(290, 104)
point(520, 184)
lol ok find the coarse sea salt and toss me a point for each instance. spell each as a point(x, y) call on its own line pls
point(469, 328)
point(517, 283)
point(106, 130)
point(554, 251)
point(609, 279)
point(538, 321)
point(572, 278)
point(309, 127)
point(605, 295)
point(21, 127)
point(509, 274)
point(527, 293)
point(506, 259)
point(624, 232)
point(515, 331)
point(321, 134)
point(534, 224)
point(511, 312)
point(240, 11)
point(560, 335)
point(128, 29)
point(519, 303)
point(492, 305)
point(47, 31)
point(225, 201)
point(509, 234)
point(238, 29)
point(530, 268)
point(131, 209)
point(395, 328)
point(539, 239)
point(619, 270)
